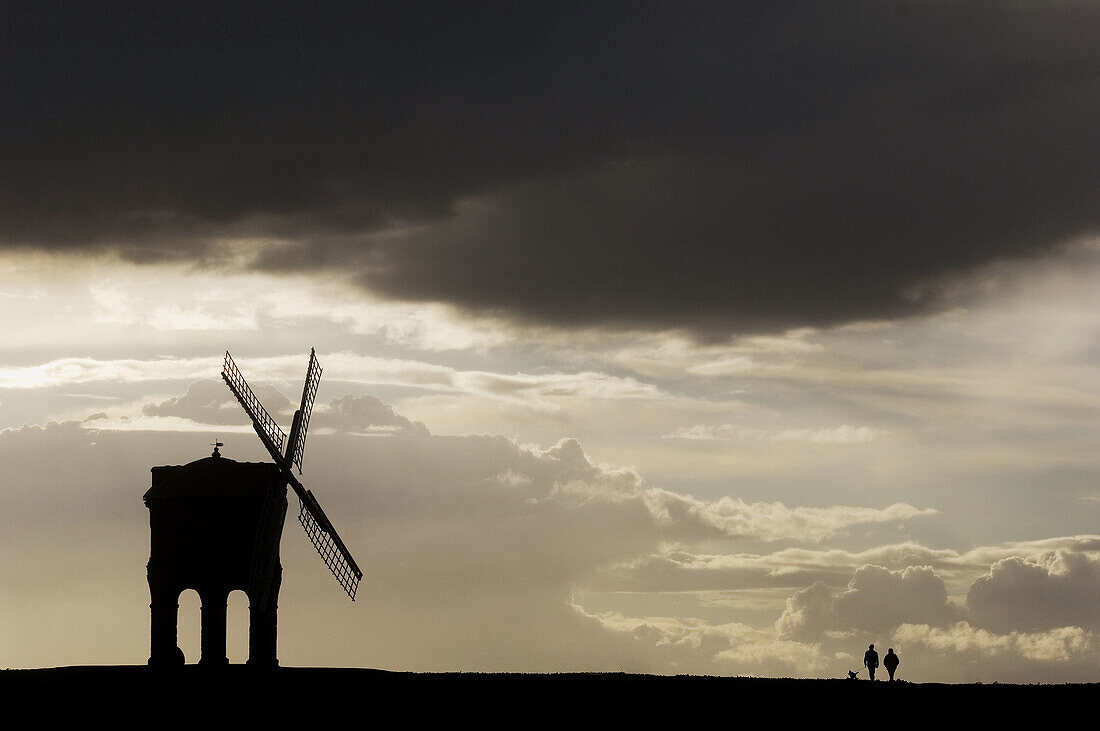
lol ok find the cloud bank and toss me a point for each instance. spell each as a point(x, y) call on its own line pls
point(719, 168)
point(484, 553)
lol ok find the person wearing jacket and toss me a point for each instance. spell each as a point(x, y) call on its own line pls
point(870, 660)
point(890, 662)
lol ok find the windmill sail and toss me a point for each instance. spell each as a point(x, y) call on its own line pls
point(313, 519)
point(328, 544)
point(265, 548)
point(325, 539)
point(296, 447)
point(270, 433)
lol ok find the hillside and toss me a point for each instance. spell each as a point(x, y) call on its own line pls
point(317, 695)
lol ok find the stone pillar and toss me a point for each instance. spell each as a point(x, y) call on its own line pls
point(213, 626)
point(263, 626)
point(164, 610)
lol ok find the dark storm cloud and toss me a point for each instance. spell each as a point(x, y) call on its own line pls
point(722, 167)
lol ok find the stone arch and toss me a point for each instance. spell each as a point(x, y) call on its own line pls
point(238, 623)
point(189, 624)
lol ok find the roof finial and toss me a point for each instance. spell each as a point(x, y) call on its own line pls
point(215, 445)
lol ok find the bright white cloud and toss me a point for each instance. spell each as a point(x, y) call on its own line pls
point(70, 371)
point(844, 434)
point(734, 518)
point(694, 646)
point(876, 600)
point(1063, 644)
point(121, 304)
point(1039, 592)
point(538, 390)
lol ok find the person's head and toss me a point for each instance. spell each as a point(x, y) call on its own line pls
point(890, 650)
point(870, 647)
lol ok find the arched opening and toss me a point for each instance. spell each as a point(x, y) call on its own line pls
point(236, 637)
point(189, 625)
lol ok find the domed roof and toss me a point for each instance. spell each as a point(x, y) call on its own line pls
point(212, 477)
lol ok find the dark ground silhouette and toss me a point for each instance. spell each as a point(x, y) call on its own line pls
point(201, 697)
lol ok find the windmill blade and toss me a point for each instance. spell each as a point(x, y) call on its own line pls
point(296, 446)
point(270, 434)
point(322, 534)
point(328, 544)
point(317, 526)
point(265, 548)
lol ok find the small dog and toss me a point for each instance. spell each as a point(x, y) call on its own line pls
point(853, 675)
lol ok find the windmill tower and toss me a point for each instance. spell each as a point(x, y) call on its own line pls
point(216, 525)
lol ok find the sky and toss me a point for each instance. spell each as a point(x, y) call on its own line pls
point(718, 338)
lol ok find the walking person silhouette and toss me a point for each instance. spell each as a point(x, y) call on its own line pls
point(870, 659)
point(890, 662)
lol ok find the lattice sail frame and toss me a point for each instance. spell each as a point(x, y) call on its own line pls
point(272, 436)
point(316, 524)
point(328, 545)
point(297, 445)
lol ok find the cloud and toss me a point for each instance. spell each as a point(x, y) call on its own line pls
point(876, 600)
point(936, 637)
point(734, 518)
point(116, 306)
point(1064, 644)
point(844, 434)
point(694, 646)
point(1038, 593)
point(1027, 618)
point(704, 168)
point(64, 371)
point(538, 390)
point(681, 569)
point(211, 402)
point(365, 414)
point(468, 542)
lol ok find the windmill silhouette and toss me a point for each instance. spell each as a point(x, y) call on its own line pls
point(216, 525)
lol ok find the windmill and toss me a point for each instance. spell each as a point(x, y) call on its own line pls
point(287, 453)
